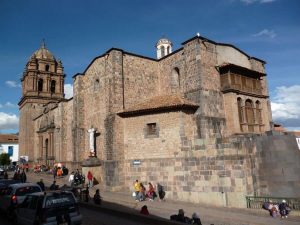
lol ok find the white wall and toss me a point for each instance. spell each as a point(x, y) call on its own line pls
point(4, 149)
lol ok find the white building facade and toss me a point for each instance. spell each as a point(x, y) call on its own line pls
point(9, 143)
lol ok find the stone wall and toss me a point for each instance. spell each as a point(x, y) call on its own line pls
point(141, 80)
point(278, 174)
point(194, 177)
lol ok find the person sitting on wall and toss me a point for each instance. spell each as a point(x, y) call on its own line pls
point(97, 197)
point(151, 192)
point(284, 209)
point(142, 194)
point(136, 186)
point(196, 219)
point(144, 210)
point(180, 217)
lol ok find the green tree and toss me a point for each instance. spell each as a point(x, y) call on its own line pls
point(4, 159)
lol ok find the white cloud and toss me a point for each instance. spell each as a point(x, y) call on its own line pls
point(8, 121)
point(68, 91)
point(265, 32)
point(286, 106)
point(12, 84)
point(258, 1)
point(8, 105)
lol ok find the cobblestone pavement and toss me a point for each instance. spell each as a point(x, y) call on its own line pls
point(209, 215)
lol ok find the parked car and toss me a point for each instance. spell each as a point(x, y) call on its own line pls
point(15, 194)
point(1, 173)
point(50, 208)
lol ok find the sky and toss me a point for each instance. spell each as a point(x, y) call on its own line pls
point(76, 31)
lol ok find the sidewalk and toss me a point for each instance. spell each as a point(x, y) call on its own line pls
point(124, 203)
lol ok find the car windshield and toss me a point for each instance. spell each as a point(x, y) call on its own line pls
point(27, 190)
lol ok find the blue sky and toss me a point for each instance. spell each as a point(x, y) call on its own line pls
point(77, 31)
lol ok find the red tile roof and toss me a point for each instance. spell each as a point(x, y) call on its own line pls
point(160, 103)
point(9, 138)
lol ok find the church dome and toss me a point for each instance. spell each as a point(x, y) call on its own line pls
point(43, 53)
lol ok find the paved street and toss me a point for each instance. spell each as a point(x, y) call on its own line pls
point(114, 203)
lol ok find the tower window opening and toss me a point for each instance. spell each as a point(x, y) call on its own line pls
point(168, 50)
point(162, 50)
point(40, 85)
point(52, 88)
point(47, 67)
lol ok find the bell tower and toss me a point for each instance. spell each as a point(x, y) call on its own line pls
point(42, 83)
point(163, 47)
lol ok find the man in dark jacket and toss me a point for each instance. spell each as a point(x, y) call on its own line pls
point(41, 184)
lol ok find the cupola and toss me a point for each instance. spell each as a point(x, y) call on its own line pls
point(163, 47)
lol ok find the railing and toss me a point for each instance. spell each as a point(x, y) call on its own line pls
point(254, 202)
point(227, 83)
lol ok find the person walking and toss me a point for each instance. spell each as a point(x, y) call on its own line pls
point(71, 179)
point(5, 175)
point(41, 184)
point(90, 179)
point(23, 176)
point(54, 172)
point(161, 192)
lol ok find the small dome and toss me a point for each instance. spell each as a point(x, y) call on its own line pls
point(164, 41)
point(43, 53)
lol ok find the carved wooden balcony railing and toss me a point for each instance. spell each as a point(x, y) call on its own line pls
point(238, 83)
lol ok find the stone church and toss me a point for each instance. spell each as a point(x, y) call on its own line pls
point(193, 119)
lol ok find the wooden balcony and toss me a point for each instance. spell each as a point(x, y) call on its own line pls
point(237, 83)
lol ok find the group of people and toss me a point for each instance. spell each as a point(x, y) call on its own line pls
point(276, 209)
point(76, 178)
point(60, 171)
point(141, 194)
point(180, 217)
point(21, 176)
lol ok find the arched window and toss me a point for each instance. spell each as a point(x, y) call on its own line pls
point(40, 85)
point(168, 50)
point(175, 79)
point(47, 67)
point(249, 115)
point(53, 84)
point(162, 51)
point(240, 112)
point(258, 112)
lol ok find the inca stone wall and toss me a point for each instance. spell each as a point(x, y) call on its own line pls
point(278, 166)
